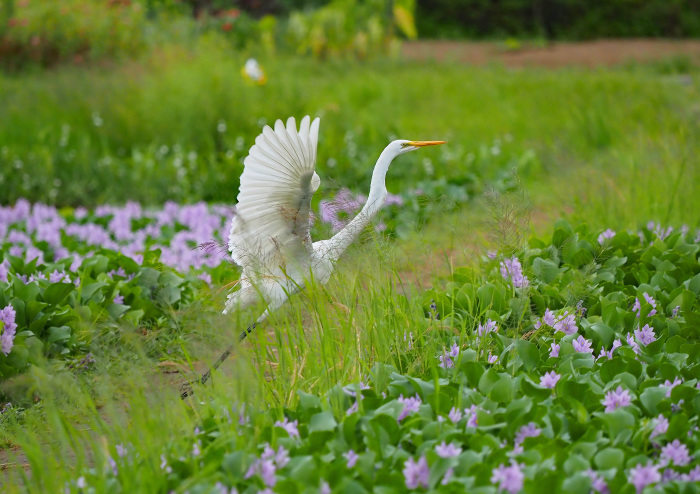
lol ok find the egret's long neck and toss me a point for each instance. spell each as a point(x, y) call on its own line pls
point(375, 201)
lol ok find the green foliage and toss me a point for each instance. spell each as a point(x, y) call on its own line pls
point(46, 32)
point(60, 317)
point(179, 129)
point(558, 19)
point(493, 412)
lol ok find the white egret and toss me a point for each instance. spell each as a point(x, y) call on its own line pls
point(269, 236)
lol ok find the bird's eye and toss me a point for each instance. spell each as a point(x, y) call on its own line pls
point(405, 144)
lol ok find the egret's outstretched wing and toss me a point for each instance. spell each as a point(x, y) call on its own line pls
point(272, 215)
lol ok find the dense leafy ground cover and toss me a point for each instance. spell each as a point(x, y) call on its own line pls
point(128, 296)
point(572, 366)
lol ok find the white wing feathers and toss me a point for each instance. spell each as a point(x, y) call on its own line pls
point(272, 215)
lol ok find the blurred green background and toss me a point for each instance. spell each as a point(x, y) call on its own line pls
point(105, 101)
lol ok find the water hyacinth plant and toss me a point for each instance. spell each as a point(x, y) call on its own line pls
point(617, 418)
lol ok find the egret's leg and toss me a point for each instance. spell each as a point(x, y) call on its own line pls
point(187, 388)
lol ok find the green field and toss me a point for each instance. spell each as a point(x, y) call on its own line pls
point(613, 148)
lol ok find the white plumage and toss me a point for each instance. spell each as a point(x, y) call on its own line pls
point(269, 236)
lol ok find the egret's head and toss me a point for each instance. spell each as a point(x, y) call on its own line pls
point(406, 146)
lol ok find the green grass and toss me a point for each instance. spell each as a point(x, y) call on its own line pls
point(612, 148)
point(158, 136)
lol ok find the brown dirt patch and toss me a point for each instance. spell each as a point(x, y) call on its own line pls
point(587, 53)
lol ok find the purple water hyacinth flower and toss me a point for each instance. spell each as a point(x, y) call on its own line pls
point(492, 359)
point(416, 473)
point(113, 466)
point(660, 426)
point(633, 344)
point(343, 202)
point(616, 344)
point(59, 277)
point(650, 300)
point(223, 489)
point(9, 329)
point(455, 415)
point(205, 277)
point(291, 427)
point(642, 476)
point(472, 418)
point(582, 345)
point(281, 457)
point(693, 475)
point(119, 299)
point(609, 354)
point(662, 232)
point(676, 407)
point(268, 452)
point(117, 272)
point(324, 488)
point(81, 483)
point(513, 270)
point(492, 254)
point(409, 340)
point(489, 327)
point(637, 307)
point(37, 277)
point(393, 199)
point(567, 324)
point(598, 483)
point(410, 405)
point(445, 450)
point(670, 385)
point(549, 380)
point(352, 409)
point(268, 472)
point(445, 362)
point(447, 356)
point(509, 479)
point(529, 430)
point(448, 476)
point(265, 468)
point(676, 453)
point(616, 399)
point(645, 335)
point(4, 271)
point(121, 450)
point(350, 389)
point(675, 312)
point(351, 457)
point(670, 475)
point(606, 235)
point(252, 469)
point(164, 464)
point(197, 449)
point(554, 350)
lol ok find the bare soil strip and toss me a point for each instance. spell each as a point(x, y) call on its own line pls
point(592, 54)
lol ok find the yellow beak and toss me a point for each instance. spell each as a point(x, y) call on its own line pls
point(425, 143)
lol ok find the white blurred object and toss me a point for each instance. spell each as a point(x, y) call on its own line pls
point(254, 72)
